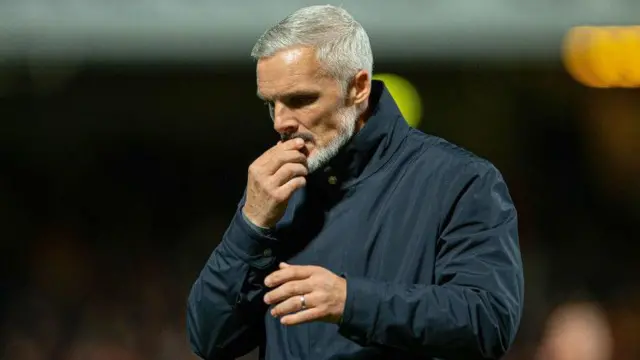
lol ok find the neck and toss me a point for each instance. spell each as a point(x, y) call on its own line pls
point(363, 118)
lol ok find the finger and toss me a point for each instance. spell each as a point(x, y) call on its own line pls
point(301, 317)
point(277, 160)
point(291, 305)
point(283, 265)
point(291, 273)
point(288, 172)
point(285, 191)
point(289, 289)
point(293, 144)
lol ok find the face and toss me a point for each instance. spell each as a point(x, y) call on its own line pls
point(307, 103)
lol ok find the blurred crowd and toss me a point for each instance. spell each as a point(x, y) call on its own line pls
point(85, 303)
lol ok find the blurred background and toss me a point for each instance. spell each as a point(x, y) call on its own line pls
point(126, 129)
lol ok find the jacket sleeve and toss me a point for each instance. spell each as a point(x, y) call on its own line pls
point(473, 309)
point(225, 311)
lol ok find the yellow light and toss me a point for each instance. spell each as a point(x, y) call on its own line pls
point(603, 57)
point(630, 42)
point(405, 95)
point(576, 57)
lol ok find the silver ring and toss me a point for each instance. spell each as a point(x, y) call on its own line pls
point(303, 303)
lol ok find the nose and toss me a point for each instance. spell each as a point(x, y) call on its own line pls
point(283, 120)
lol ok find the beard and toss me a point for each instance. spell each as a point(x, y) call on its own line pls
point(347, 127)
point(348, 118)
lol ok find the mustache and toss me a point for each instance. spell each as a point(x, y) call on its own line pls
point(303, 136)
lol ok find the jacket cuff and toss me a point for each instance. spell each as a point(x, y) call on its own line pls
point(360, 310)
point(259, 229)
point(252, 244)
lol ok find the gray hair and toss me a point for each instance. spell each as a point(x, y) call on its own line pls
point(341, 44)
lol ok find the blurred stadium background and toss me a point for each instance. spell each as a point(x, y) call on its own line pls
point(127, 127)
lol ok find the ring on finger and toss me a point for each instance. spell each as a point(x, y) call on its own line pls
point(303, 302)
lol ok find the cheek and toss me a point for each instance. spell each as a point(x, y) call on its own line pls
point(322, 123)
point(313, 117)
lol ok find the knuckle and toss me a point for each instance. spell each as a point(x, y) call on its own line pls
point(294, 288)
point(302, 169)
point(289, 170)
point(293, 303)
point(322, 309)
point(271, 183)
point(266, 184)
point(316, 275)
point(255, 170)
point(278, 197)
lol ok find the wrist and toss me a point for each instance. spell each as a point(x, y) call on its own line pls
point(256, 228)
point(253, 222)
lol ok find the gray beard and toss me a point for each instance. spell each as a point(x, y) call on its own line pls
point(348, 119)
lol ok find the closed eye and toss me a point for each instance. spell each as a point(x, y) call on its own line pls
point(300, 101)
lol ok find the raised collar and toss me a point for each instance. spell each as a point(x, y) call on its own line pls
point(372, 147)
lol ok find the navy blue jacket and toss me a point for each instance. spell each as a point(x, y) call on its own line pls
point(425, 234)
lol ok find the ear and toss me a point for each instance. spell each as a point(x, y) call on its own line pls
point(360, 88)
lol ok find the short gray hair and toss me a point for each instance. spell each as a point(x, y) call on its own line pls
point(342, 45)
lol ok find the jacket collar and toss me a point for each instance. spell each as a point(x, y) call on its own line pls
point(372, 147)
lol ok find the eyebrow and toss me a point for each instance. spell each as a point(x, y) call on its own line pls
point(291, 94)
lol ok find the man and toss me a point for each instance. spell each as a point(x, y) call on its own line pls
point(358, 237)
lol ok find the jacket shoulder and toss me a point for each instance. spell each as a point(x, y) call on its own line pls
point(444, 157)
point(447, 172)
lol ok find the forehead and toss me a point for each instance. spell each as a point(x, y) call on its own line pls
point(290, 70)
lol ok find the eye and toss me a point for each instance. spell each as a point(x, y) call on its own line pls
point(299, 101)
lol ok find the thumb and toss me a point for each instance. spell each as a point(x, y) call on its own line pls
point(284, 265)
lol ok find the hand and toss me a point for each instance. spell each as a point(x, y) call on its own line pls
point(325, 294)
point(272, 179)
